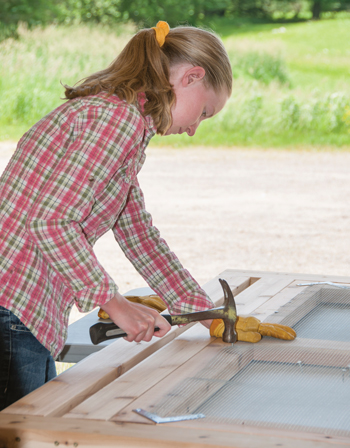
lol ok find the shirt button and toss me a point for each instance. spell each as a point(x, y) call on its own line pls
point(91, 178)
point(127, 180)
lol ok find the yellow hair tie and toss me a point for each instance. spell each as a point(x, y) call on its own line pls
point(162, 29)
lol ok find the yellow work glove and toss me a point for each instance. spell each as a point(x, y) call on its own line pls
point(250, 329)
point(152, 301)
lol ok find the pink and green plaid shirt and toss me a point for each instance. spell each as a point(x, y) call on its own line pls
point(72, 178)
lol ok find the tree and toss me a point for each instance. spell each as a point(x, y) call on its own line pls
point(31, 12)
point(317, 7)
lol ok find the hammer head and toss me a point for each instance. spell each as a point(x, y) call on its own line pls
point(229, 314)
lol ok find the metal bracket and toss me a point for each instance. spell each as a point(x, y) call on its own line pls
point(156, 419)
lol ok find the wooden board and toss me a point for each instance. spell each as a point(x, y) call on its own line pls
point(92, 403)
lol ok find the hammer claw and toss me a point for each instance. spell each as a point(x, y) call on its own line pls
point(230, 314)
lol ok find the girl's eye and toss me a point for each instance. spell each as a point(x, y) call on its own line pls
point(204, 114)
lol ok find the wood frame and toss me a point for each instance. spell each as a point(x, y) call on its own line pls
point(91, 404)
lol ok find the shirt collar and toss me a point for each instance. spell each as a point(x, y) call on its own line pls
point(141, 98)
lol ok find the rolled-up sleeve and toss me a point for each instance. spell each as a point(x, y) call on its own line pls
point(153, 259)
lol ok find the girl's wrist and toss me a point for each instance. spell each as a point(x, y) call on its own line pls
point(113, 303)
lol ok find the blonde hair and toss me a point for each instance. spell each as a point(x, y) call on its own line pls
point(144, 66)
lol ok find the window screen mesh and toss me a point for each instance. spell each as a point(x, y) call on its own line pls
point(302, 384)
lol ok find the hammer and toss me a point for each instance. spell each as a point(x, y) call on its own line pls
point(104, 331)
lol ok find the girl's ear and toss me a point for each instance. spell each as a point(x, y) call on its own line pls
point(193, 75)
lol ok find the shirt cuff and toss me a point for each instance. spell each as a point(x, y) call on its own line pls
point(89, 298)
point(194, 302)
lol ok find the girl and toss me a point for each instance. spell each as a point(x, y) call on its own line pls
point(74, 176)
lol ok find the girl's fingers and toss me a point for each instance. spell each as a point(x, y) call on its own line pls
point(137, 320)
point(163, 326)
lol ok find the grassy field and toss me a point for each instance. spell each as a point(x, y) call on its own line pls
point(291, 80)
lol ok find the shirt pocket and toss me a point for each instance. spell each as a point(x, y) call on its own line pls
point(127, 174)
point(19, 327)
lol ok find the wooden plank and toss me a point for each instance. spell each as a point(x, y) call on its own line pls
point(293, 275)
point(47, 432)
point(74, 386)
point(123, 391)
point(260, 292)
point(298, 432)
point(273, 306)
point(84, 379)
point(300, 303)
point(237, 283)
point(213, 377)
point(306, 351)
point(99, 406)
point(87, 377)
point(37, 431)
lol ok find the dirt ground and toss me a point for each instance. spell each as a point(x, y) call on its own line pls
point(269, 210)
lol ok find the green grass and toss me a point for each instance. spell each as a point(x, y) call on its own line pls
point(306, 102)
point(291, 80)
point(33, 67)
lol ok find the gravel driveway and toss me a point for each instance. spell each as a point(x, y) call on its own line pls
point(269, 210)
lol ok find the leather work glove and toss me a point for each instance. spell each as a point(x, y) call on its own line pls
point(152, 301)
point(251, 329)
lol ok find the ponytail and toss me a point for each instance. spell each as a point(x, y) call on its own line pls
point(144, 66)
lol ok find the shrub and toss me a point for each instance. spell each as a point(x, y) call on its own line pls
point(262, 66)
point(290, 113)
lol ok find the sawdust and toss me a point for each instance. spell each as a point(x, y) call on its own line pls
point(269, 210)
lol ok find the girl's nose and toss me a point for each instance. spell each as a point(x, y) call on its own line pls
point(192, 129)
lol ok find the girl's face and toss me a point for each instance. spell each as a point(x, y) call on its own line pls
point(194, 101)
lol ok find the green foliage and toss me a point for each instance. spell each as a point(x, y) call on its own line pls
point(33, 66)
point(284, 92)
point(267, 9)
point(8, 30)
point(290, 113)
point(262, 66)
point(148, 12)
point(31, 12)
point(323, 114)
point(256, 119)
point(94, 11)
point(287, 9)
point(144, 13)
point(318, 7)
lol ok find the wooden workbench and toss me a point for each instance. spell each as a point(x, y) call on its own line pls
point(91, 404)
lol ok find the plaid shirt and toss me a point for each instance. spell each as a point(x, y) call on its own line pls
point(71, 179)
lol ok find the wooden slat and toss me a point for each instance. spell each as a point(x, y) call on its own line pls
point(274, 304)
point(293, 276)
point(48, 432)
point(87, 377)
point(308, 351)
point(260, 292)
point(90, 375)
point(94, 380)
point(165, 388)
point(99, 406)
point(237, 283)
point(123, 391)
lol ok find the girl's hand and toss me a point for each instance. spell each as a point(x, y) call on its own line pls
point(138, 321)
